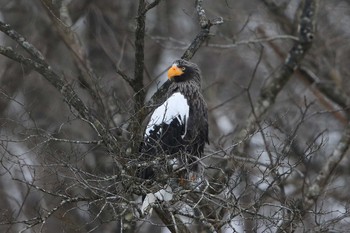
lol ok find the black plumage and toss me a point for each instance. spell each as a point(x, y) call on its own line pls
point(179, 126)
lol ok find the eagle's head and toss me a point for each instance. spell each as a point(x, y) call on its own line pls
point(182, 71)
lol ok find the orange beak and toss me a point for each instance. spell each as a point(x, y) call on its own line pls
point(174, 71)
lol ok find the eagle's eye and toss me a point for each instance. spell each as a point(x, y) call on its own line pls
point(183, 68)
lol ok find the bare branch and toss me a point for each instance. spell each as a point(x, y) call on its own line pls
point(151, 5)
point(129, 80)
point(205, 25)
point(70, 97)
point(139, 54)
point(167, 218)
point(259, 40)
point(88, 78)
point(36, 54)
point(332, 92)
point(324, 175)
point(282, 75)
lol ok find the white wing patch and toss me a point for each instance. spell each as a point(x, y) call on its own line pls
point(175, 106)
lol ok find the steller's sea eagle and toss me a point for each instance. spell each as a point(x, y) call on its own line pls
point(179, 126)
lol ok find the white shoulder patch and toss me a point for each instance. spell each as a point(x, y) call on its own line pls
point(175, 106)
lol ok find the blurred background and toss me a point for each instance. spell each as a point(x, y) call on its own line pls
point(40, 155)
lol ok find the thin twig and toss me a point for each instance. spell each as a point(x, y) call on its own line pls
point(275, 84)
point(66, 90)
point(205, 25)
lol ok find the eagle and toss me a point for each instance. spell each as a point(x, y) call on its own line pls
point(177, 129)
